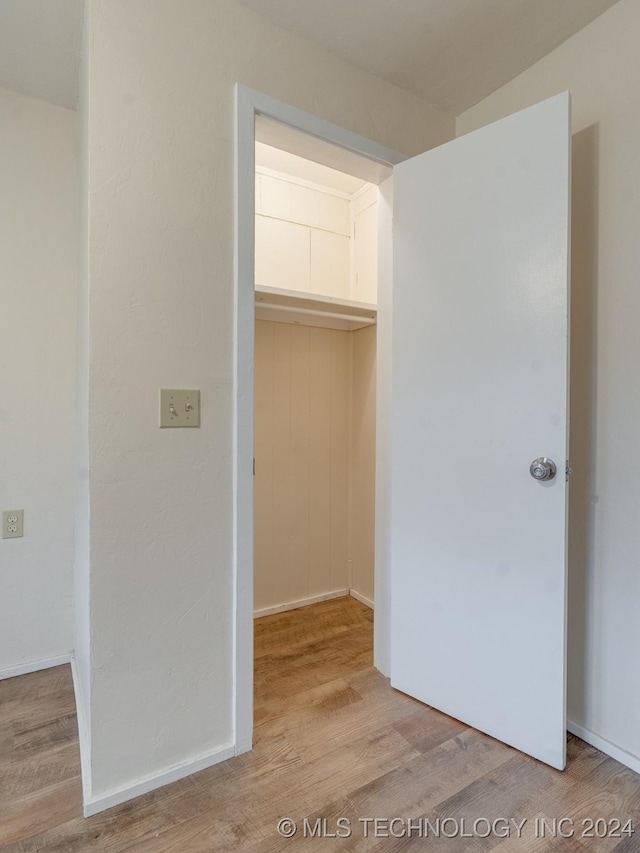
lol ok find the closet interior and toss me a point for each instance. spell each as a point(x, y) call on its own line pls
point(315, 383)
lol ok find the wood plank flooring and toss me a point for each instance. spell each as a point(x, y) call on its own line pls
point(333, 742)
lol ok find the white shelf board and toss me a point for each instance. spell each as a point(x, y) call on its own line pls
point(312, 309)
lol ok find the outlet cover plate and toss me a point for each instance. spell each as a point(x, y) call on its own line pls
point(179, 408)
point(13, 524)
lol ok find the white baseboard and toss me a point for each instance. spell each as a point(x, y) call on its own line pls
point(361, 598)
point(34, 666)
point(621, 755)
point(115, 797)
point(303, 602)
point(246, 746)
point(83, 733)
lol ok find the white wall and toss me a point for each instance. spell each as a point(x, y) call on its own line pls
point(160, 150)
point(81, 666)
point(601, 68)
point(38, 252)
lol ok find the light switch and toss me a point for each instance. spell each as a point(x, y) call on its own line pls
point(179, 408)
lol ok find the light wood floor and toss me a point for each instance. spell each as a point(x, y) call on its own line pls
point(332, 740)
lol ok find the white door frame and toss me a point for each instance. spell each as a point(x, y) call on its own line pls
point(248, 105)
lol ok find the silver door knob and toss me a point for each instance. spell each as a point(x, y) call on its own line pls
point(543, 469)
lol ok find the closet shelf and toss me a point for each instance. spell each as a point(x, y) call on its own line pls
point(312, 309)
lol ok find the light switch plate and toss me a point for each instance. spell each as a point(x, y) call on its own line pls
point(13, 524)
point(179, 408)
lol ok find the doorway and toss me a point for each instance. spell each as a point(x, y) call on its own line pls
point(261, 118)
point(473, 238)
point(314, 422)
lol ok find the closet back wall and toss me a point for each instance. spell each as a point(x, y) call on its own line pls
point(302, 399)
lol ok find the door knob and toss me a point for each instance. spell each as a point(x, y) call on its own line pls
point(543, 469)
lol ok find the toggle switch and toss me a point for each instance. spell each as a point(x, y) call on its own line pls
point(179, 408)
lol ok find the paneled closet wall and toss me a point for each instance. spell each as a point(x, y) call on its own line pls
point(314, 397)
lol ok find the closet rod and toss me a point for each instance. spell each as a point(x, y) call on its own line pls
point(333, 315)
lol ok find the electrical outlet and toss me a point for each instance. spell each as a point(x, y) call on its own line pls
point(12, 523)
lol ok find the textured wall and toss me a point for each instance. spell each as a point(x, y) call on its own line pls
point(160, 153)
point(601, 68)
point(38, 247)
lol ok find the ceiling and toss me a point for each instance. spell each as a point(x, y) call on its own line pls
point(40, 48)
point(450, 53)
point(299, 167)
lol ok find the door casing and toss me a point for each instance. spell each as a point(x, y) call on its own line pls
point(250, 105)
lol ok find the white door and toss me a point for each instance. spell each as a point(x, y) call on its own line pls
point(480, 389)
